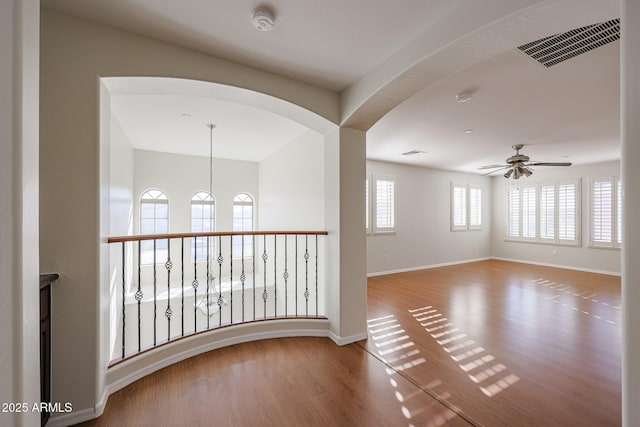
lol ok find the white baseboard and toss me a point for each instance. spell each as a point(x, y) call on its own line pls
point(425, 267)
point(72, 418)
point(566, 267)
point(347, 340)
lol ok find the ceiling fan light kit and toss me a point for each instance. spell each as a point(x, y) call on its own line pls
point(519, 165)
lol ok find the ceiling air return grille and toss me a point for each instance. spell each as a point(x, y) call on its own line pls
point(554, 49)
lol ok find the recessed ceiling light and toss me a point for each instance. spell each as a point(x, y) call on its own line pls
point(468, 131)
point(186, 115)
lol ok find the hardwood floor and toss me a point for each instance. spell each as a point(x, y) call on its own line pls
point(489, 343)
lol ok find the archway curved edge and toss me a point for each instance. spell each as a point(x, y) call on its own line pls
point(190, 87)
point(461, 39)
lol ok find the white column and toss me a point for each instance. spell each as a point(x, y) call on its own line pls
point(630, 135)
point(345, 170)
point(19, 259)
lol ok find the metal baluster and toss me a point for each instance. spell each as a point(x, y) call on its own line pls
point(230, 281)
point(242, 276)
point(139, 296)
point(220, 300)
point(208, 280)
point(275, 275)
point(182, 284)
point(155, 301)
point(168, 312)
point(296, 271)
point(306, 273)
point(316, 275)
point(195, 284)
point(253, 272)
point(124, 278)
point(286, 276)
point(265, 295)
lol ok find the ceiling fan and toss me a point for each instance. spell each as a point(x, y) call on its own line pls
point(519, 165)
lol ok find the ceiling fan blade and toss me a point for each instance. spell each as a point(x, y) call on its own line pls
point(497, 170)
point(548, 164)
point(493, 166)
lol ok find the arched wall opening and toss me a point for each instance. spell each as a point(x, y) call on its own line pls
point(154, 138)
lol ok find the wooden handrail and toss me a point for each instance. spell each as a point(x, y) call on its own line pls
point(137, 238)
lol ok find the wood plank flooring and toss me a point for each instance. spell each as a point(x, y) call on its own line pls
point(491, 343)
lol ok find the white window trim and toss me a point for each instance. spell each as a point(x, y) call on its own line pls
point(367, 218)
point(556, 241)
point(467, 208)
point(614, 214)
point(373, 198)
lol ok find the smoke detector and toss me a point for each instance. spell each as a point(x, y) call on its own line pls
point(263, 19)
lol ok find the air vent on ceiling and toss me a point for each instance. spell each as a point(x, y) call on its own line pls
point(552, 50)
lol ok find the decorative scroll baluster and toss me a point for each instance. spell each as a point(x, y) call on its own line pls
point(195, 284)
point(220, 300)
point(182, 285)
point(265, 295)
point(155, 301)
point(285, 275)
point(168, 312)
point(242, 276)
point(208, 280)
point(139, 298)
point(306, 273)
point(124, 279)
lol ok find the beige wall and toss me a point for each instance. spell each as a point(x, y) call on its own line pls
point(423, 235)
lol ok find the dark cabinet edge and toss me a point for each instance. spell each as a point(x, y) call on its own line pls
point(47, 279)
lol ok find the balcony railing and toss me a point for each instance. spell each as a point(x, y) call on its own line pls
point(167, 287)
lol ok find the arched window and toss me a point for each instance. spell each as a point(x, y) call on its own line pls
point(203, 219)
point(243, 221)
point(154, 219)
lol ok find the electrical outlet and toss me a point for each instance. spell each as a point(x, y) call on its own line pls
point(554, 252)
point(386, 257)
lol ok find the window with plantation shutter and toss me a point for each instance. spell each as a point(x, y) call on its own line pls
point(547, 212)
point(544, 213)
point(529, 212)
point(567, 212)
point(606, 215)
point(367, 208)
point(513, 212)
point(384, 209)
point(475, 208)
point(466, 207)
point(619, 213)
point(458, 207)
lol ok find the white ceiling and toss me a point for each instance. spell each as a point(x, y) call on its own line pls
point(571, 109)
point(328, 43)
point(178, 124)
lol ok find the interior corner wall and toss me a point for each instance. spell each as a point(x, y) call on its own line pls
point(74, 55)
point(291, 183)
point(423, 236)
point(581, 257)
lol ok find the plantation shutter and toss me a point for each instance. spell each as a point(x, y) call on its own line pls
point(547, 212)
point(567, 212)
